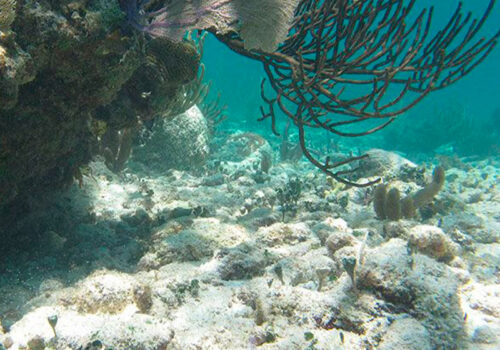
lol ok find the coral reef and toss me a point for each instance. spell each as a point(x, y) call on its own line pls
point(179, 142)
point(85, 65)
point(172, 244)
point(148, 260)
point(78, 68)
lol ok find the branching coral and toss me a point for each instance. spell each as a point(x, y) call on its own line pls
point(340, 62)
point(347, 62)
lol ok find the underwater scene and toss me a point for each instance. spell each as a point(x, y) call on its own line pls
point(249, 174)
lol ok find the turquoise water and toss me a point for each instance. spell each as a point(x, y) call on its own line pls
point(477, 95)
point(193, 237)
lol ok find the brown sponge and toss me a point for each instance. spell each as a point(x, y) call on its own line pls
point(389, 205)
point(393, 205)
point(379, 196)
point(408, 209)
point(427, 194)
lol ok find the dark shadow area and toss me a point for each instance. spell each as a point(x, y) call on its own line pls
point(58, 238)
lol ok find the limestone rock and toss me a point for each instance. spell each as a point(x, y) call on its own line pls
point(406, 333)
point(432, 241)
point(243, 261)
point(104, 292)
point(279, 234)
point(328, 226)
point(484, 335)
point(418, 283)
point(338, 240)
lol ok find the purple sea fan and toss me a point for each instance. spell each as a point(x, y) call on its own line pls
point(261, 24)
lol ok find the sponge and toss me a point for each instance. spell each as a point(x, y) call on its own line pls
point(379, 196)
point(389, 205)
point(427, 194)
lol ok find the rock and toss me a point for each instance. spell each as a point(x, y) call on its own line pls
point(325, 228)
point(36, 343)
point(50, 285)
point(322, 231)
point(338, 240)
point(467, 223)
point(385, 269)
point(280, 233)
point(179, 212)
point(139, 217)
point(76, 331)
point(397, 229)
point(260, 217)
point(8, 342)
point(387, 164)
point(484, 335)
point(243, 261)
point(312, 267)
point(213, 180)
point(407, 334)
point(104, 292)
point(485, 299)
point(186, 245)
point(337, 224)
point(418, 283)
point(432, 241)
point(143, 298)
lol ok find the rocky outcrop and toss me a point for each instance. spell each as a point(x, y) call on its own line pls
point(69, 71)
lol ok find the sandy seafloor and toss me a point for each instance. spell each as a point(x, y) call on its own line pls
point(180, 260)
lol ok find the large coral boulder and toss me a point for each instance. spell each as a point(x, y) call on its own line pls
point(181, 142)
point(67, 69)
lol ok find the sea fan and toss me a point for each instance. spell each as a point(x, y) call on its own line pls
point(261, 24)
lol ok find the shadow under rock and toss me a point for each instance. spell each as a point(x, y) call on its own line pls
point(58, 238)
